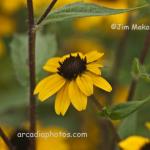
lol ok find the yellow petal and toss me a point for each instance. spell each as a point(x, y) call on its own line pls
point(94, 68)
point(85, 84)
point(100, 82)
point(78, 99)
point(42, 84)
point(147, 125)
point(53, 84)
point(52, 64)
point(133, 143)
point(62, 101)
point(96, 64)
point(93, 56)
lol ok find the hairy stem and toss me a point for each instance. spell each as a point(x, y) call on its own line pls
point(32, 81)
point(6, 140)
point(47, 11)
point(142, 57)
point(97, 104)
point(108, 122)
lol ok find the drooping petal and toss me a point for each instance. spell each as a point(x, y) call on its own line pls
point(78, 99)
point(93, 56)
point(85, 84)
point(47, 89)
point(62, 101)
point(100, 82)
point(94, 68)
point(52, 64)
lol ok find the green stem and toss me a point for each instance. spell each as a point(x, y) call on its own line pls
point(108, 123)
point(142, 57)
point(120, 53)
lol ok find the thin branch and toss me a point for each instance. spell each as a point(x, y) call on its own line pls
point(145, 49)
point(142, 57)
point(120, 53)
point(109, 133)
point(97, 104)
point(107, 122)
point(5, 138)
point(132, 89)
point(47, 11)
point(113, 129)
point(31, 52)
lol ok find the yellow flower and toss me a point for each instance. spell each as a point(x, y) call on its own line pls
point(148, 125)
point(120, 95)
point(7, 26)
point(45, 144)
point(94, 138)
point(7, 130)
point(11, 6)
point(40, 5)
point(91, 22)
point(84, 44)
point(61, 3)
point(2, 145)
point(135, 143)
point(104, 21)
point(73, 79)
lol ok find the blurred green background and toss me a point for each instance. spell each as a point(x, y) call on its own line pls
point(84, 34)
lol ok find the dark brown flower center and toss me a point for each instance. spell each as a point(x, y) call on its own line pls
point(72, 66)
point(20, 143)
point(146, 146)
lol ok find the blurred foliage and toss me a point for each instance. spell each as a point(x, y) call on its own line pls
point(82, 34)
point(121, 111)
point(139, 71)
point(46, 47)
point(82, 10)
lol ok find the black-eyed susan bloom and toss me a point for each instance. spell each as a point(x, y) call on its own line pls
point(135, 143)
point(73, 78)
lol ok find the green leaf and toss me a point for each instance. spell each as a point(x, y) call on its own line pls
point(14, 102)
point(136, 68)
point(14, 117)
point(81, 9)
point(139, 71)
point(14, 96)
point(123, 110)
point(19, 57)
point(135, 123)
point(46, 47)
point(148, 1)
point(145, 76)
point(128, 126)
